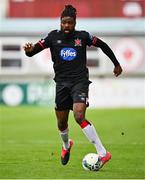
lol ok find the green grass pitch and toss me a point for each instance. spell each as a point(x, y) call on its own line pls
point(30, 144)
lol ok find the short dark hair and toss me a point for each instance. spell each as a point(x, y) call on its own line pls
point(70, 11)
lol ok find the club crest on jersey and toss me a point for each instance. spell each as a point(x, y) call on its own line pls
point(68, 54)
point(78, 42)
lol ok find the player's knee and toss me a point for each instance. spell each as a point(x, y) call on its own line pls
point(62, 126)
point(79, 117)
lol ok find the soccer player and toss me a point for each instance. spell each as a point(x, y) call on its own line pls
point(68, 50)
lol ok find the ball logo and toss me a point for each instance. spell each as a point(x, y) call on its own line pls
point(68, 54)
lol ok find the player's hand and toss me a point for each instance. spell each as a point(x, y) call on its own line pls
point(28, 47)
point(117, 70)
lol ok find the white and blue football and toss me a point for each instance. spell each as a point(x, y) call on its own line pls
point(91, 162)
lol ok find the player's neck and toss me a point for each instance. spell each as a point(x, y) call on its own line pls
point(68, 35)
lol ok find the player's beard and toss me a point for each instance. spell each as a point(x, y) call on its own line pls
point(67, 32)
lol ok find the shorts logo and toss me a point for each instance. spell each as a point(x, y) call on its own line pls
point(68, 54)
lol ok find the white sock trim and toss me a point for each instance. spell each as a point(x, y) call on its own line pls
point(65, 139)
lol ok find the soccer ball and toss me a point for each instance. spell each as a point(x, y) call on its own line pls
point(91, 162)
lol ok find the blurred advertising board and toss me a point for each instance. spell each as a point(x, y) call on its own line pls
point(14, 94)
point(104, 93)
point(117, 92)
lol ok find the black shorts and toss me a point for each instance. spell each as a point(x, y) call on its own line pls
point(68, 93)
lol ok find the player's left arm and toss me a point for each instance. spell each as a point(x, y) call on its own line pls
point(94, 41)
point(107, 50)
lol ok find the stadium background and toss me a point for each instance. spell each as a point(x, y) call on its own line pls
point(28, 81)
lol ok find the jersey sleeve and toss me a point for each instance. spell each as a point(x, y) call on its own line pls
point(91, 40)
point(95, 41)
point(47, 41)
point(41, 45)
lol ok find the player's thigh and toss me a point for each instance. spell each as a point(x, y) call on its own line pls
point(80, 92)
point(63, 100)
point(80, 100)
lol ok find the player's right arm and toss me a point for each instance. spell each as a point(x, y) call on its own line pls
point(31, 49)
